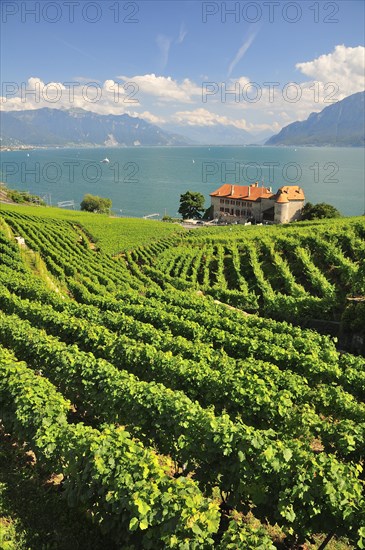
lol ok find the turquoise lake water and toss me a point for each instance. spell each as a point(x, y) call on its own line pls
point(148, 180)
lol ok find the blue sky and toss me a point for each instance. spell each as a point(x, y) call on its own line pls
point(169, 48)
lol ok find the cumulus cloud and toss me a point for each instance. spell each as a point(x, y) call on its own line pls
point(345, 67)
point(333, 77)
point(109, 97)
point(162, 99)
point(165, 88)
point(203, 117)
point(242, 81)
point(150, 117)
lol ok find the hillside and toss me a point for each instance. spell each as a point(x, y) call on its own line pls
point(155, 407)
point(339, 124)
point(55, 127)
point(4, 198)
point(13, 196)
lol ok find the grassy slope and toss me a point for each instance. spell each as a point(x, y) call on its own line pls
point(112, 234)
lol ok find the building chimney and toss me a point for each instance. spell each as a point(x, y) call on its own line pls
point(249, 190)
point(232, 189)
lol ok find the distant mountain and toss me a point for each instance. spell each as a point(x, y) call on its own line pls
point(58, 127)
point(261, 138)
point(215, 135)
point(339, 124)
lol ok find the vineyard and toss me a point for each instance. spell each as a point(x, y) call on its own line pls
point(286, 273)
point(167, 378)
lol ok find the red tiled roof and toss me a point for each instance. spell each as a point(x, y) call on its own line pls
point(253, 192)
point(290, 192)
point(282, 198)
point(244, 192)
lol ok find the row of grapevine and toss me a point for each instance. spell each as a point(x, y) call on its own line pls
point(127, 487)
point(291, 276)
point(277, 399)
point(237, 450)
point(253, 413)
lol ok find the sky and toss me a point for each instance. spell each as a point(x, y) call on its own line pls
point(250, 65)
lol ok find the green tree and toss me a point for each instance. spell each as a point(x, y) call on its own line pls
point(23, 196)
point(191, 205)
point(208, 214)
point(93, 203)
point(319, 211)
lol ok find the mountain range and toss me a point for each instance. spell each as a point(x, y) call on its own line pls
point(75, 127)
point(220, 134)
point(339, 124)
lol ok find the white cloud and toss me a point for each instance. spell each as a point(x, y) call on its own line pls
point(284, 116)
point(162, 99)
point(345, 67)
point(165, 88)
point(242, 81)
point(150, 117)
point(203, 117)
point(183, 32)
point(109, 97)
point(242, 50)
point(164, 44)
point(334, 76)
point(274, 127)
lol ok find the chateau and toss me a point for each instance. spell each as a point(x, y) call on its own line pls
point(243, 203)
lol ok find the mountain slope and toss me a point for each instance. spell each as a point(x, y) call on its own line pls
point(340, 124)
point(50, 127)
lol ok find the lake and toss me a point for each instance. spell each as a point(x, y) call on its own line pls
point(149, 180)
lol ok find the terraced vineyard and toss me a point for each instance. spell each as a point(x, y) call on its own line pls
point(173, 420)
point(289, 273)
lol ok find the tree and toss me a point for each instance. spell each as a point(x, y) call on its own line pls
point(191, 205)
point(23, 196)
point(319, 211)
point(93, 203)
point(208, 214)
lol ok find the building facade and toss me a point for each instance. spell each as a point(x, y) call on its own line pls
point(244, 203)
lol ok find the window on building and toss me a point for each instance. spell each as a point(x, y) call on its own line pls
point(226, 210)
point(237, 213)
point(221, 209)
point(221, 201)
